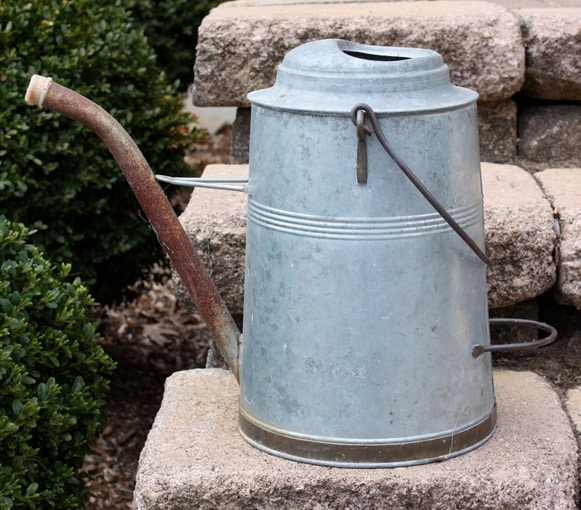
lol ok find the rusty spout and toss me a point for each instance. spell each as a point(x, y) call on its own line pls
point(43, 92)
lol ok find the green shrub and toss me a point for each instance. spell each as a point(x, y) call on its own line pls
point(171, 27)
point(55, 175)
point(52, 377)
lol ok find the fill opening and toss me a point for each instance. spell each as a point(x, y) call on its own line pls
point(374, 56)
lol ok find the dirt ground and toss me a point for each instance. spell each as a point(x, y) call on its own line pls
point(152, 335)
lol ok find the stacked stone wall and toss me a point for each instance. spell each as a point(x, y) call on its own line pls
point(524, 63)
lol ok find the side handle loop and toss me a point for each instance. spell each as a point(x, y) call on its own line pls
point(414, 179)
point(477, 350)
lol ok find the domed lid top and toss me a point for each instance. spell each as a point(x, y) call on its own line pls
point(332, 75)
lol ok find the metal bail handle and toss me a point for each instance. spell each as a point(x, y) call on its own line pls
point(477, 350)
point(357, 119)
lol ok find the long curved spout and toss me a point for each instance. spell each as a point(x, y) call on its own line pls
point(43, 92)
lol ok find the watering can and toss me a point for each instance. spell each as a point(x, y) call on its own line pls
point(366, 327)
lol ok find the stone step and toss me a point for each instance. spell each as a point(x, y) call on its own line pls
point(194, 457)
point(241, 43)
point(496, 51)
point(562, 186)
point(521, 234)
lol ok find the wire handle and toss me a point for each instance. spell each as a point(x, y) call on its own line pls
point(355, 115)
point(477, 350)
point(206, 182)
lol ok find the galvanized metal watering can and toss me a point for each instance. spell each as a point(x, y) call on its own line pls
point(365, 315)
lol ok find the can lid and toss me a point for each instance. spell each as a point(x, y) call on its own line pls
point(332, 75)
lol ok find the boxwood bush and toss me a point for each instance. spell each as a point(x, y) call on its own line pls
point(52, 377)
point(55, 175)
point(171, 26)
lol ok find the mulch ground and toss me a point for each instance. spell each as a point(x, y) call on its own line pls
point(150, 337)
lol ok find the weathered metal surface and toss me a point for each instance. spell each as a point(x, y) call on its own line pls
point(362, 305)
point(158, 211)
point(409, 173)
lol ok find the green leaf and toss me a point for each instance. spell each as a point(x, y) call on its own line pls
point(17, 407)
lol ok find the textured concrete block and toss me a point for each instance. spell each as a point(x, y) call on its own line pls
point(497, 124)
point(553, 52)
point(241, 43)
point(563, 188)
point(240, 140)
point(573, 406)
point(194, 457)
point(215, 221)
point(520, 234)
point(550, 133)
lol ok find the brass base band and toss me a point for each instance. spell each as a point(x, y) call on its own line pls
point(366, 455)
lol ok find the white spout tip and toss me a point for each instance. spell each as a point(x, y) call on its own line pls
point(37, 89)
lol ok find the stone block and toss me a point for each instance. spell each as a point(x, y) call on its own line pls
point(215, 221)
point(552, 38)
point(562, 186)
point(520, 234)
point(241, 43)
point(550, 133)
point(194, 457)
point(497, 124)
point(573, 406)
point(240, 140)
